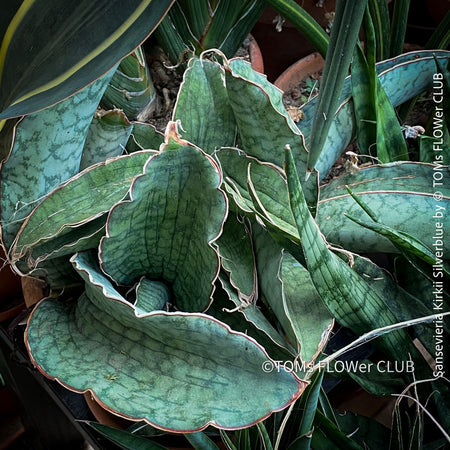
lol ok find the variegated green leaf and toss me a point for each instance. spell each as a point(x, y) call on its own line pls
point(131, 88)
point(405, 188)
point(106, 138)
point(249, 319)
point(46, 151)
point(57, 49)
point(287, 287)
point(402, 78)
point(144, 137)
point(151, 296)
point(80, 200)
point(237, 256)
point(345, 293)
point(177, 371)
point(175, 213)
point(265, 128)
point(203, 108)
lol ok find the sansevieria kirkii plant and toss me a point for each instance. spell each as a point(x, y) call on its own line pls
point(197, 277)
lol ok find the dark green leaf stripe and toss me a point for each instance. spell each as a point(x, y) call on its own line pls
point(70, 45)
point(176, 371)
point(175, 214)
point(46, 151)
point(348, 297)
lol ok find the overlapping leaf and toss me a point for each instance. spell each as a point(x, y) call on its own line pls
point(46, 151)
point(175, 213)
point(60, 218)
point(57, 49)
point(176, 371)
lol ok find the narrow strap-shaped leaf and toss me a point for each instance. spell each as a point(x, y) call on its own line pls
point(200, 441)
point(380, 18)
point(304, 22)
point(125, 439)
point(402, 78)
point(398, 26)
point(344, 35)
point(176, 212)
point(70, 46)
point(46, 151)
point(391, 144)
point(176, 371)
point(345, 293)
point(441, 35)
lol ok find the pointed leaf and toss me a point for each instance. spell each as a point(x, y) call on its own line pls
point(176, 371)
point(405, 188)
point(68, 48)
point(175, 213)
point(345, 293)
point(46, 151)
point(203, 108)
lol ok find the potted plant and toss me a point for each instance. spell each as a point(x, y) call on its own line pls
point(200, 288)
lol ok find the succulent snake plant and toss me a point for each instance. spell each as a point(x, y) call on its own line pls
point(196, 276)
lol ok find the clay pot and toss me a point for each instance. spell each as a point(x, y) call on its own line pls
point(300, 71)
point(281, 49)
point(256, 58)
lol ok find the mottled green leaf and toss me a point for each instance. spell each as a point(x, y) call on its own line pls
point(269, 185)
point(348, 297)
point(237, 256)
point(144, 137)
point(81, 199)
point(131, 88)
point(203, 108)
point(151, 296)
point(177, 371)
point(175, 213)
point(402, 78)
point(310, 319)
point(249, 319)
point(265, 127)
point(46, 151)
point(106, 138)
point(400, 194)
point(57, 49)
point(391, 144)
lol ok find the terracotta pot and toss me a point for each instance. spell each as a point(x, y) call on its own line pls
point(105, 417)
point(32, 290)
point(256, 58)
point(300, 71)
point(281, 49)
